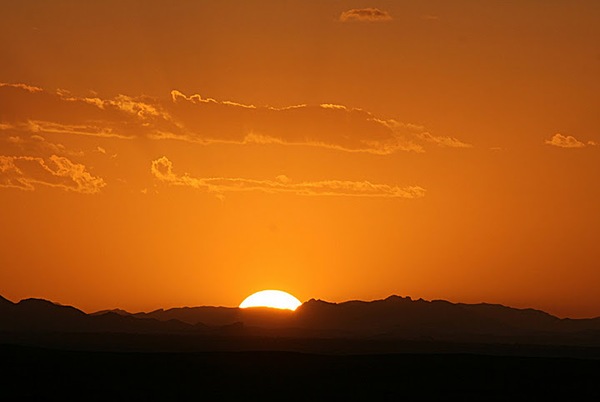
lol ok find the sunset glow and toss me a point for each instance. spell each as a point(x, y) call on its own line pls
point(162, 154)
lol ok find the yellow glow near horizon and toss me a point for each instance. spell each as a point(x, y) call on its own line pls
point(300, 168)
point(273, 299)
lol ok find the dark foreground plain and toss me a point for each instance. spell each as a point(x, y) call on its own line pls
point(36, 373)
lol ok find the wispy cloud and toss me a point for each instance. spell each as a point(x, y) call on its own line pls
point(28, 172)
point(567, 141)
point(28, 88)
point(176, 96)
point(203, 120)
point(419, 133)
point(162, 169)
point(365, 15)
point(329, 126)
point(49, 127)
point(35, 144)
point(442, 141)
point(23, 109)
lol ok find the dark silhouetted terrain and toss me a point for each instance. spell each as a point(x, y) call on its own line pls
point(393, 319)
point(385, 349)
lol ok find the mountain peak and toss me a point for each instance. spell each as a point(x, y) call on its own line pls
point(396, 298)
point(36, 300)
point(116, 311)
point(42, 305)
point(317, 302)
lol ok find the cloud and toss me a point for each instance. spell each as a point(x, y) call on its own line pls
point(333, 106)
point(450, 142)
point(23, 109)
point(144, 108)
point(366, 15)
point(35, 145)
point(567, 141)
point(162, 170)
point(176, 96)
point(204, 120)
point(419, 133)
point(28, 88)
point(38, 126)
point(27, 172)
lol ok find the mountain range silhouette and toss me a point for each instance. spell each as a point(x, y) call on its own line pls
point(392, 318)
point(357, 350)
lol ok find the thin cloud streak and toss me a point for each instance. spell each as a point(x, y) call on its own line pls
point(162, 170)
point(450, 142)
point(27, 172)
point(49, 127)
point(196, 119)
point(365, 15)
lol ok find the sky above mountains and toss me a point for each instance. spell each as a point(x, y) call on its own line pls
point(157, 154)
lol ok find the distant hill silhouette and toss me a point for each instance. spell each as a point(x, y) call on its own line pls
point(116, 311)
point(396, 315)
point(38, 315)
point(392, 318)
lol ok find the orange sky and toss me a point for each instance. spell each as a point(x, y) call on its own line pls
point(167, 153)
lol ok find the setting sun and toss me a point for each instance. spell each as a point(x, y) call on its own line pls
point(145, 160)
point(271, 298)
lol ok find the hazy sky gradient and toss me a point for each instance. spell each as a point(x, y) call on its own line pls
point(167, 153)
